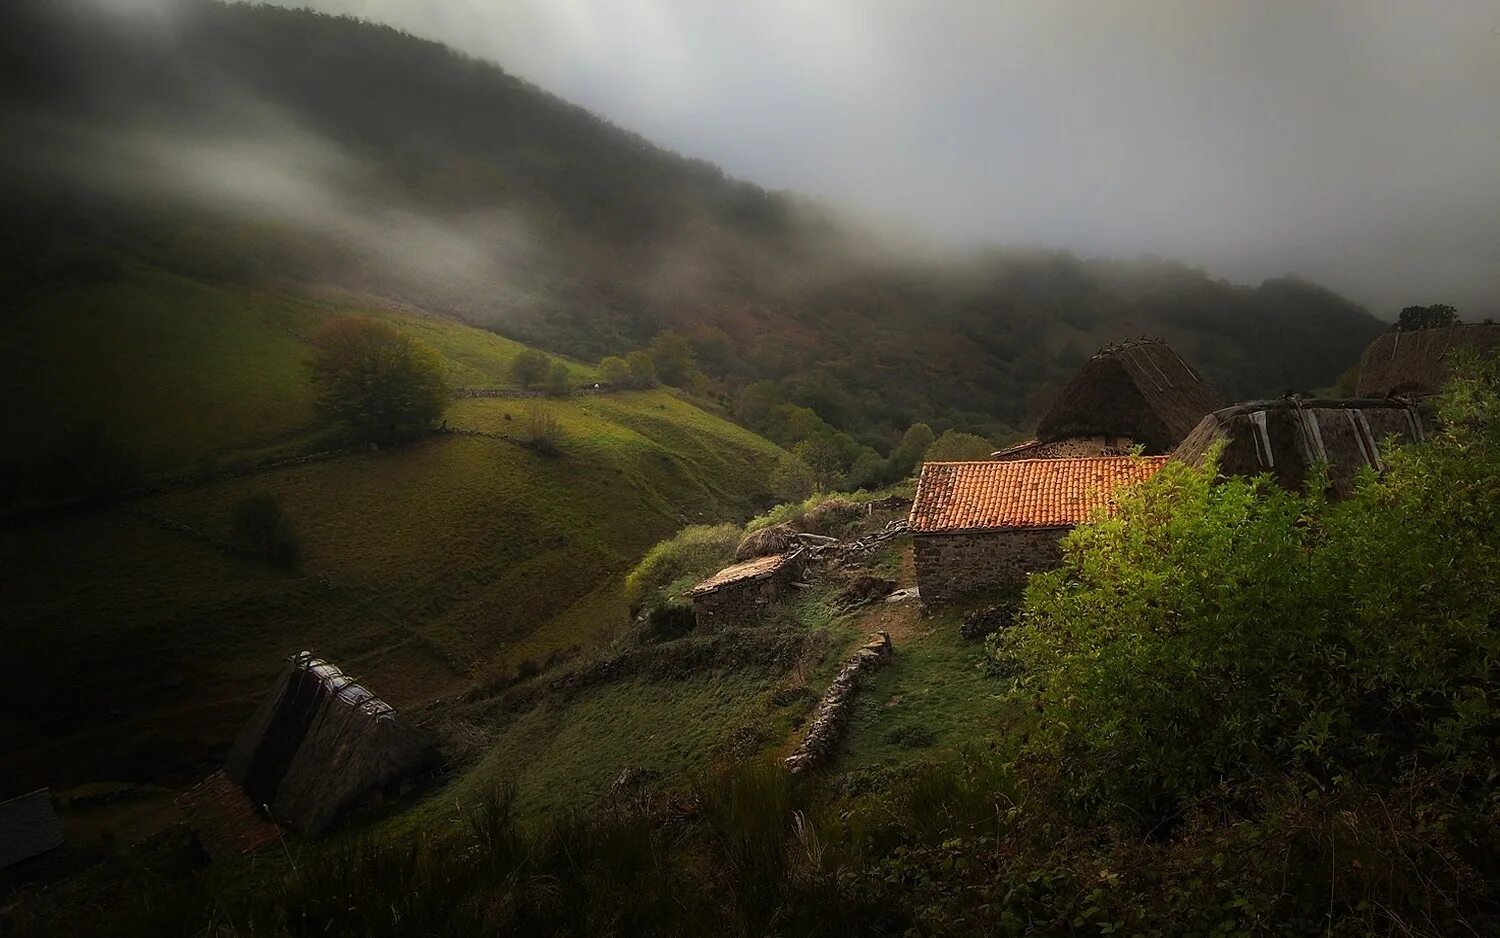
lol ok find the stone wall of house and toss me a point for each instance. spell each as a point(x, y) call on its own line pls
point(740, 603)
point(950, 565)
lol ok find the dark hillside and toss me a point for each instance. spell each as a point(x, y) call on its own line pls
point(393, 166)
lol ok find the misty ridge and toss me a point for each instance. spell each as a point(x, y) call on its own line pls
point(259, 144)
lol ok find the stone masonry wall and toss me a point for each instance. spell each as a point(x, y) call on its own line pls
point(949, 565)
point(739, 603)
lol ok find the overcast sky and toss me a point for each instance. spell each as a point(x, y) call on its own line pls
point(1356, 143)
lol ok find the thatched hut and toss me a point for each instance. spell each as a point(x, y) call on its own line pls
point(318, 744)
point(1285, 437)
point(773, 539)
point(987, 524)
point(1135, 392)
point(1415, 364)
point(740, 594)
point(28, 827)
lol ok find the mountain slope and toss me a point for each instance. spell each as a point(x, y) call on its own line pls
point(251, 143)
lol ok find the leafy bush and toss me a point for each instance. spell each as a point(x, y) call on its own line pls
point(1214, 631)
point(954, 446)
point(559, 383)
point(676, 564)
point(260, 526)
point(376, 381)
point(529, 368)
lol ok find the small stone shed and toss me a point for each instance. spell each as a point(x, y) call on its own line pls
point(740, 594)
point(1286, 437)
point(1415, 364)
point(320, 743)
point(985, 525)
point(1139, 391)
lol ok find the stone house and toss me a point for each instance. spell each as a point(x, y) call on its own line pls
point(1137, 392)
point(740, 594)
point(986, 525)
point(1286, 437)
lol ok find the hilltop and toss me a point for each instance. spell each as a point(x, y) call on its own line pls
point(392, 166)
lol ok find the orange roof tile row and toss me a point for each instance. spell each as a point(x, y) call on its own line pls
point(749, 570)
point(1021, 493)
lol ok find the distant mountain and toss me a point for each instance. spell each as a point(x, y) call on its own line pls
point(253, 144)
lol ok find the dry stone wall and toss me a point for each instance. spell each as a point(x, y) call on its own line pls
point(833, 710)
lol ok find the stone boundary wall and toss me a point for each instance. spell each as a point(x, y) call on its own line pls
point(833, 710)
point(950, 565)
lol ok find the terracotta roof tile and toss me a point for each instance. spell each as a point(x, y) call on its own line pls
point(1021, 493)
point(749, 570)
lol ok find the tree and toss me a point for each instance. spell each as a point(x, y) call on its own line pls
point(642, 370)
point(262, 528)
point(615, 371)
point(379, 383)
point(821, 455)
point(672, 354)
point(529, 368)
point(954, 446)
point(1426, 317)
point(914, 443)
point(559, 383)
point(791, 480)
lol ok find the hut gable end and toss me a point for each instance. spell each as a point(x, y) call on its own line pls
point(1142, 390)
point(318, 743)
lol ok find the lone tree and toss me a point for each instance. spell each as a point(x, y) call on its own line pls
point(530, 368)
point(1426, 317)
point(377, 382)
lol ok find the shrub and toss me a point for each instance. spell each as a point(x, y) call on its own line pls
point(1214, 629)
point(642, 370)
point(260, 526)
point(559, 383)
point(676, 564)
point(529, 368)
point(614, 371)
point(379, 383)
point(954, 446)
point(541, 430)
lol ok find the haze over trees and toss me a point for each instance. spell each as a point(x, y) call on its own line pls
point(538, 219)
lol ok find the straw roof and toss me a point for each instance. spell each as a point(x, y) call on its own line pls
point(994, 495)
point(775, 539)
point(28, 826)
point(758, 569)
point(1139, 389)
point(318, 743)
point(1416, 363)
point(1285, 437)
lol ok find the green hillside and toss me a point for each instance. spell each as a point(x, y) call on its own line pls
point(423, 567)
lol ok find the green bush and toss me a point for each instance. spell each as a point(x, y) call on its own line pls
point(674, 565)
point(260, 527)
point(529, 368)
point(1215, 633)
point(954, 446)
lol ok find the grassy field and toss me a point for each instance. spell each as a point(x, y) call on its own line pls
point(135, 650)
point(185, 372)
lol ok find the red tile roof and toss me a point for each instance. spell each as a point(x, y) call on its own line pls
point(1021, 493)
point(755, 569)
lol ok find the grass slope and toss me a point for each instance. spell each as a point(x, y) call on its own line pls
point(422, 566)
point(184, 371)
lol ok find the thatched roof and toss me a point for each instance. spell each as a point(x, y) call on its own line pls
point(1063, 449)
point(318, 743)
point(758, 569)
point(1286, 437)
point(28, 826)
point(1416, 363)
point(775, 539)
point(1139, 389)
point(994, 495)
